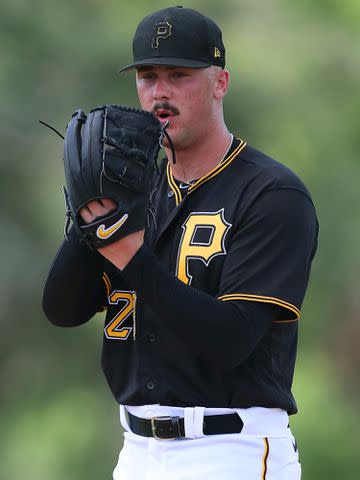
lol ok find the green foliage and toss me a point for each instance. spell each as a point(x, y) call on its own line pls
point(326, 427)
point(294, 94)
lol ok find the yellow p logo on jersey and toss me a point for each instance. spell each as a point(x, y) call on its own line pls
point(189, 248)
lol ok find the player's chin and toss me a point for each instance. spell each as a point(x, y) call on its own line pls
point(173, 133)
point(178, 134)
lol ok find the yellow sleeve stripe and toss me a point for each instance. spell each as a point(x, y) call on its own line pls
point(259, 298)
point(265, 459)
point(107, 283)
point(218, 168)
point(174, 187)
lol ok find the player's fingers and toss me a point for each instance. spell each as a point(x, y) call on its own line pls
point(102, 207)
point(96, 208)
point(86, 215)
point(108, 203)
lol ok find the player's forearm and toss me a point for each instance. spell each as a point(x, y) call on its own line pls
point(74, 289)
point(209, 326)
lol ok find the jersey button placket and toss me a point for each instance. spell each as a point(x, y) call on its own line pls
point(150, 385)
point(152, 337)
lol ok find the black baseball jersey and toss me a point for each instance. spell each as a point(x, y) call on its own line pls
point(244, 232)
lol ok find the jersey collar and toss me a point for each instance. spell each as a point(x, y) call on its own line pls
point(237, 146)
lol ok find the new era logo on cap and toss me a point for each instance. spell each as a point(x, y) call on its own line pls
point(177, 36)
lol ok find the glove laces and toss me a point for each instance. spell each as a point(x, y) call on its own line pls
point(165, 134)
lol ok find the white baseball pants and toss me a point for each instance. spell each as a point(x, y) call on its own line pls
point(264, 450)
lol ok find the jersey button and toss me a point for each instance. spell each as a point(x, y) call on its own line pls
point(152, 337)
point(170, 194)
point(150, 385)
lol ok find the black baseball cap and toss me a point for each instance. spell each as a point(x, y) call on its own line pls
point(177, 36)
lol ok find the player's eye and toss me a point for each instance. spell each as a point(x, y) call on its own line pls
point(145, 75)
point(179, 74)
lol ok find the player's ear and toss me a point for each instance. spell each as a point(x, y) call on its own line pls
point(221, 84)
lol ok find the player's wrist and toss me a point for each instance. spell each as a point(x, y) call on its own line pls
point(120, 252)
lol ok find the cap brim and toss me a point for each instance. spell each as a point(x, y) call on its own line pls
point(169, 62)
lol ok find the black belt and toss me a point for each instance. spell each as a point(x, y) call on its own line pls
point(168, 428)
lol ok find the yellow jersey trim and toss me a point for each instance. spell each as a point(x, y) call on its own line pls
point(264, 459)
point(173, 186)
point(204, 178)
point(107, 282)
point(262, 299)
point(219, 167)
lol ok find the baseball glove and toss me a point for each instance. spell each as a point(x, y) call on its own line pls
point(110, 153)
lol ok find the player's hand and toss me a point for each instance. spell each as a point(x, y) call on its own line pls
point(121, 251)
point(109, 154)
point(96, 208)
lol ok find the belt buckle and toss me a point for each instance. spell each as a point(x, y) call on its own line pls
point(174, 422)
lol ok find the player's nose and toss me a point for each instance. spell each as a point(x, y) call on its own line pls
point(161, 89)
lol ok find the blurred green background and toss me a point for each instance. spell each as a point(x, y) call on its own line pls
point(294, 94)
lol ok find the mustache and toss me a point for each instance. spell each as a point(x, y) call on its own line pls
point(165, 106)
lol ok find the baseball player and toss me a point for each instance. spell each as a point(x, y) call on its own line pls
point(202, 306)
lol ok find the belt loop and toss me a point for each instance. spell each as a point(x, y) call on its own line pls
point(123, 418)
point(199, 422)
point(189, 413)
